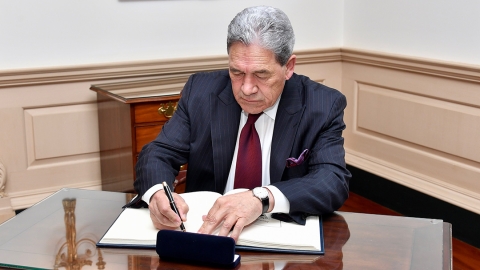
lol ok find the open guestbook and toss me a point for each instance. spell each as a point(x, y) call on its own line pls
point(134, 229)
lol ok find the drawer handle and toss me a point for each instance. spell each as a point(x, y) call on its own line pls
point(167, 109)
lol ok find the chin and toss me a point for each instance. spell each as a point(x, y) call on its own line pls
point(253, 107)
point(253, 110)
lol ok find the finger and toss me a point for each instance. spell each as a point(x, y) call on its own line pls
point(238, 228)
point(211, 220)
point(209, 225)
point(159, 224)
point(228, 225)
point(173, 217)
point(159, 219)
point(182, 206)
point(160, 207)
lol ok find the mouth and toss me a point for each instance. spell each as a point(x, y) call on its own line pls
point(250, 100)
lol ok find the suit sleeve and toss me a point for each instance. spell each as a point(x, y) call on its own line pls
point(160, 160)
point(324, 187)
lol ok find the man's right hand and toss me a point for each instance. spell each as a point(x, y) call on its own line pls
point(162, 215)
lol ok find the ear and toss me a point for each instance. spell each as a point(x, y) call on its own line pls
point(290, 66)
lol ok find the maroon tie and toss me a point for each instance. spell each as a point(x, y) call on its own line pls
point(248, 173)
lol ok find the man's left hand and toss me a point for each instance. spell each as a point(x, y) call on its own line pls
point(232, 211)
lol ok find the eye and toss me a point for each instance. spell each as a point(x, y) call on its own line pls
point(236, 73)
point(261, 75)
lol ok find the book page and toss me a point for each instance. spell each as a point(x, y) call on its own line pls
point(199, 204)
point(271, 233)
point(134, 226)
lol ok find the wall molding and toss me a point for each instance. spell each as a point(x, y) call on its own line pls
point(139, 69)
point(124, 70)
point(437, 68)
point(144, 69)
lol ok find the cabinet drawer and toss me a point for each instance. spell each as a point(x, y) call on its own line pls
point(148, 112)
point(145, 134)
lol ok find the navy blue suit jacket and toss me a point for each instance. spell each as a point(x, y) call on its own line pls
point(204, 129)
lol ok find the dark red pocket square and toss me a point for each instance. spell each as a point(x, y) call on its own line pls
point(292, 162)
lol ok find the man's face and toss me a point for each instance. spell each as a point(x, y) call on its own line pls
point(257, 78)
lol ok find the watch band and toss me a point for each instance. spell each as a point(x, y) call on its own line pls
point(265, 204)
point(265, 201)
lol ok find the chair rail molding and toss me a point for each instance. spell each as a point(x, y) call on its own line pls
point(140, 69)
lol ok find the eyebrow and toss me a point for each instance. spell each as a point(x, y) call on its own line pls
point(234, 69)
point(261, 71)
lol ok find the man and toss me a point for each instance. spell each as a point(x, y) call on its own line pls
point(299, 120)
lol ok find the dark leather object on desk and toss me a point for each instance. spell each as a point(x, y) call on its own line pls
point(198, 249)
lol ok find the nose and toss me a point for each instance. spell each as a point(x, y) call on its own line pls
point(249, 85)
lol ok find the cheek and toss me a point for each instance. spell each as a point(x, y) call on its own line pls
point(236, 87)
point(273, 92)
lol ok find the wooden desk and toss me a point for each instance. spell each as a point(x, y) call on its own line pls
point(130, 115)
point(64, 228)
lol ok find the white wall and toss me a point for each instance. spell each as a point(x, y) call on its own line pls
point(52, 33)
point(438, 29)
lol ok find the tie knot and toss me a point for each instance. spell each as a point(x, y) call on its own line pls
point(252, 118)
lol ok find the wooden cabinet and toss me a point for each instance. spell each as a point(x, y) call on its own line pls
point(147, 121)
point(130, 115)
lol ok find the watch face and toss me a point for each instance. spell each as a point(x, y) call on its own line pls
point(260, 192)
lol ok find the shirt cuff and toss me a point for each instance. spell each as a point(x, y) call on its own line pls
point(282, 205)
point(148, 195)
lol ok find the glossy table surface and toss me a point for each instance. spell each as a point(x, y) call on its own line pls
point(60, 232)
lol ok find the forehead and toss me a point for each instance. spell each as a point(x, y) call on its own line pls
point(243, 56)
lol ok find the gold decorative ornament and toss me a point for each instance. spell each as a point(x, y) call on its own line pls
point(167, 109)
point(71, 260)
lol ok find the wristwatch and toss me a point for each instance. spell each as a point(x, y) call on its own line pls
point(262, 194)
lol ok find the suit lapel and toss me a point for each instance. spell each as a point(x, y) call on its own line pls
point(289, 113)
point(225, 117)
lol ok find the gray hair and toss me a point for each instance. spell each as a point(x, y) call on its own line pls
point(266, 26)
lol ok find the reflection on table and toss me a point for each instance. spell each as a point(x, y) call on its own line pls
point(61, 231)
point(71, 258)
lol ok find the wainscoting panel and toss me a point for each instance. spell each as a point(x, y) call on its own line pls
point(432, 123)
point(415, 122)
point(48, 141)
point(59, 131)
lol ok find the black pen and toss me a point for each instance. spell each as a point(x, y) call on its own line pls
point(172, 203)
